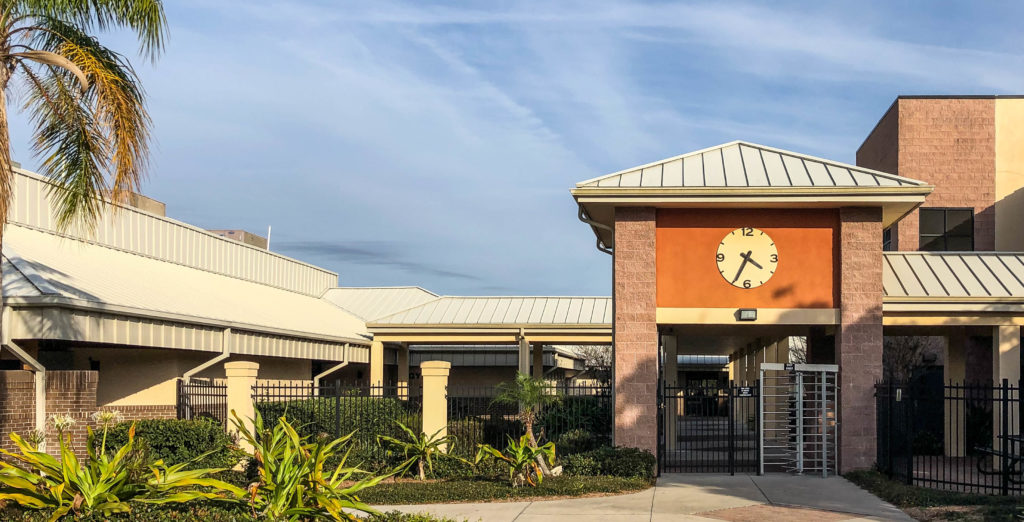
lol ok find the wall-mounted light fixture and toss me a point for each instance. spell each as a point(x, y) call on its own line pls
point(746, 314)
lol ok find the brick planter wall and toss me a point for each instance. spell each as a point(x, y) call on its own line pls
point(17, 406)
point(635, 329)
point(71, 393)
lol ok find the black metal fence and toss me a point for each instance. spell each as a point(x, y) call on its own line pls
point(709, 428)
point(581, 418)
point(957, 437)
point(203, 399)
point(334, 409)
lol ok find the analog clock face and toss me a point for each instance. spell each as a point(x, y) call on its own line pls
point(747, 257)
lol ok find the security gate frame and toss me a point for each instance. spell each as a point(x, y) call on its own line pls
point(797, 427)
point(709, 428)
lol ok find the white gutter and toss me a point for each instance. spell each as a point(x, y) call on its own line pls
point(225, 344)
point(332, 369)
point(39, 375)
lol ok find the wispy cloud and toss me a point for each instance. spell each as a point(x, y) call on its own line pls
point(402, 142)
point(375, 253)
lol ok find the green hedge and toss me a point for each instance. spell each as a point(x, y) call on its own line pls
point(589, 413)
point(177, 441)
point(611, 461)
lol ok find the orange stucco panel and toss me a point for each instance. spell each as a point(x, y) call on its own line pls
point(688, 275)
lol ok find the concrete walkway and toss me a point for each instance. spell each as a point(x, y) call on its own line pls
point(695, 497)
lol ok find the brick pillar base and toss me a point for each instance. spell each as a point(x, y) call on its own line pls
point(859, 341)
point(635, 330)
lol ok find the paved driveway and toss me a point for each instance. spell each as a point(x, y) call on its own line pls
point(695, 497)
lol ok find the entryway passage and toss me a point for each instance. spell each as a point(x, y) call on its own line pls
point(708, 497)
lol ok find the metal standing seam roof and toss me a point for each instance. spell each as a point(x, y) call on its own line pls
point(512, 311)
point(49, 266)
point(952, 275)
point(747, 165)
point(372, 302)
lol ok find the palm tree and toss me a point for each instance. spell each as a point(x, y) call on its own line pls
point(85, 101)
point(531, 395)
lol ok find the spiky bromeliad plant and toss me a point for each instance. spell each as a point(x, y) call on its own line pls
point(292, 481)
point(420, 449)
point(104, 482)
point(522, 458)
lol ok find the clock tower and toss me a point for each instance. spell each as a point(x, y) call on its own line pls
point(698, 238)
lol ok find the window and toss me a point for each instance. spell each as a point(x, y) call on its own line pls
point(947, 229)
point(887, 240)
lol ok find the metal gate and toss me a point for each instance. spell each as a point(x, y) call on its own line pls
point(798, 418)
point(709, 428)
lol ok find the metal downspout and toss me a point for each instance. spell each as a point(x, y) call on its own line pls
point(595, 225)
point(332, 369)
point(226, 345)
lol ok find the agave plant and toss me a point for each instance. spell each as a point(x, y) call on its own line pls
point(292, 482)
point(522, 458)
point(103, 483)
point(420, 449)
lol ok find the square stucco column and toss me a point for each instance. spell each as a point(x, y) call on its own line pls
point(859, 340)
point(635, 329)
point(435, 398)
point(1006, 364)
point(241, 377)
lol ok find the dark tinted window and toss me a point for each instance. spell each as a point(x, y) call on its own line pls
point(947, 229)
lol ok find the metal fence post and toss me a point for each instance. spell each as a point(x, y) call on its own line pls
point(1004, 431)
point(732, 431)
point(337, 408)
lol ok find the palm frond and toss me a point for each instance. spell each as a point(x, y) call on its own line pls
point(146, 18)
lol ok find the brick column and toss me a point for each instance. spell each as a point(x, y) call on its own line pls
point(635, 330)
point(859, 342)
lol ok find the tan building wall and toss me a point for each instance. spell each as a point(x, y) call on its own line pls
point(1009, 174)
point(148, 377)
point(948, 142)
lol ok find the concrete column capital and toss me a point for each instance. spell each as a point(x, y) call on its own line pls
point(435, 368)
point(241, 369)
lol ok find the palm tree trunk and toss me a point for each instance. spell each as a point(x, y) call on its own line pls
point(423, 475)
point(533, 443)
point(6, 175)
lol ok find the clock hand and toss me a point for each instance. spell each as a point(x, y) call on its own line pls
point(743, 265)
point(748, 257)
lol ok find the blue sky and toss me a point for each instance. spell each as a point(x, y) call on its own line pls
point(434, 144)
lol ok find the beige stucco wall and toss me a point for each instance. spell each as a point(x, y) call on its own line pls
point(147, 377)
point(1009, 174)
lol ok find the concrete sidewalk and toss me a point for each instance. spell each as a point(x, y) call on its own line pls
point(695, 497)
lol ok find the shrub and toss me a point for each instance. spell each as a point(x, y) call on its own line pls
point(589, 413)
point(467, 433)
point(612, 461)
point(178, 441)
point(477, 490)
point(581, 465)
point(575, 441)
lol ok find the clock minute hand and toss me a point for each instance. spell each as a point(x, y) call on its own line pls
point(746, 258)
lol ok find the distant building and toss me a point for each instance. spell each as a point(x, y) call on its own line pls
point(243, 237)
